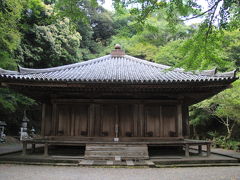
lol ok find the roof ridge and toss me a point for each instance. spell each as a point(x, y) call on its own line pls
point(203, 73)
point(23, 70)
point(162, 66)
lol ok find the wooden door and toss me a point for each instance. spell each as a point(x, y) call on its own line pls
point(63, 120)
point(153, 120)
point(72, 120)
point(169, 121)
point(108, 120)
point(126, 120)
point(80, 119)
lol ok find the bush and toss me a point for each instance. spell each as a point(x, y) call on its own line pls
point(223, 142)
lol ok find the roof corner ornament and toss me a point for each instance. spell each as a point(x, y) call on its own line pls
point(235, 72)
point(118, 52)
point(19, 68)
point(211, 72)
point(22, 70)
point(232, 74)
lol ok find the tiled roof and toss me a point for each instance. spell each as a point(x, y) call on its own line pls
point(115, 69)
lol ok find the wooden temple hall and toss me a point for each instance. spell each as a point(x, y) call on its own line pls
point(116, 103)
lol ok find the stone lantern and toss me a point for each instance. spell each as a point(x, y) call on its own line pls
point(23, 130)
point(2, 129)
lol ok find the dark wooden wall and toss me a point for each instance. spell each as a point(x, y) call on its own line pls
point(85, 119)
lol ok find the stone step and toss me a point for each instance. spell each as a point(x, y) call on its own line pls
point(115, 153)
point(113, 146)
point(113, 158)
point(110, 151)
point(115, 149)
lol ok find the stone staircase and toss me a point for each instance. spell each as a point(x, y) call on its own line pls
point(116, 152)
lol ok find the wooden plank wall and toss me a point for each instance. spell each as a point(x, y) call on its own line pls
point(46, 129)
point(98, 119)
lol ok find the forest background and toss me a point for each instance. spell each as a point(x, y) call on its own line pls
point(48, 33)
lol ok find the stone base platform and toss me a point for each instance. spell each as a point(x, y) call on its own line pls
point(154, 161)
point(158, 157)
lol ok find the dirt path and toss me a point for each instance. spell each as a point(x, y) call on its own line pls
point(28, 172)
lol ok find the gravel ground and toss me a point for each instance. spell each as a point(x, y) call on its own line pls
point(29, 172)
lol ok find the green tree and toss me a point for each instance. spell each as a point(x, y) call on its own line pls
point(10, 15)
point(10, 101)
point(221, 14)
point(181, 10)
point(231, 47)
point(169, 54)
point(102, 25)
point(74, 9)
point(150, 41)
point(201, 53)
point(174, 11)
point(225, 107)
point(52, 45)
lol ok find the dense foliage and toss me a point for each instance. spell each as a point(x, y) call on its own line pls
point(47, 33)
point(49, 45)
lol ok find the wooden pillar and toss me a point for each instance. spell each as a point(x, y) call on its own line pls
point(33, 148)
point(135, 120)
point(208, 149)
point(187, 150)
point(24, 151)
point(161, 124)
point(91, 112)
point(141, 120)
point(72, 121)
point(185, 119)
point(179, 120)
point(116, 121)
point(97, 122)
point(43, 120)
point(54, 120)
point(200, 149)
point(46, 149)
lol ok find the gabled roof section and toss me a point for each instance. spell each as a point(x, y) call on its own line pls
point(115, 68)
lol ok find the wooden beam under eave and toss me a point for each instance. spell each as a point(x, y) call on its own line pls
point(194, 98)
point(2, 84)
point(118, 86)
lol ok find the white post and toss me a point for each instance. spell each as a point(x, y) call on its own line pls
point(116, 139)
